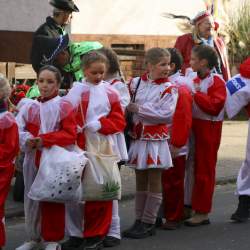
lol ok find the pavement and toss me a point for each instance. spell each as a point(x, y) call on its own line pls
point(222, 234)
point(231, 155)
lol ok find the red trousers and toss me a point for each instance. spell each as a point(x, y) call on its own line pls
point(97, 218)
point(52, 221)
point(173, 189)
point(6, 174)
point(207, 136)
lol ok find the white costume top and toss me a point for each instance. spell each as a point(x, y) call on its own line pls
point(157, 101)
point(101, 98)
point(212, 85)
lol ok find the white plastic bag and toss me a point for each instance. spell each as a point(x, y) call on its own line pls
point(101, 180)
point(59, 175)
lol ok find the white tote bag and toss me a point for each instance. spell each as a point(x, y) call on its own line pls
point(59, 177)
point(101, 180)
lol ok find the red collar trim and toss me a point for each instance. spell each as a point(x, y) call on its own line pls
point(114, 81)
point(45, 99)
point(144, 77)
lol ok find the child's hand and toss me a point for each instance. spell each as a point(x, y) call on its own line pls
point(30, 144)
point(133, 108)
point(34, 143)
point(93, 126)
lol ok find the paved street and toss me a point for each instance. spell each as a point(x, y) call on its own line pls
point(220, 235)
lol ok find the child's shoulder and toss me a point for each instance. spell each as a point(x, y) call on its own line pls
point(7, 120)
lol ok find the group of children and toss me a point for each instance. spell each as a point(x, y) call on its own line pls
point(176, 130)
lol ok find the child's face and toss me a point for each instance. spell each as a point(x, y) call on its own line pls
point(95, 72)
point(161, 69)
point(47, 83)
point(196, 63)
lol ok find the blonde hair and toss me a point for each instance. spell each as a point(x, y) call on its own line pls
point(154, 55)
point(5, 88)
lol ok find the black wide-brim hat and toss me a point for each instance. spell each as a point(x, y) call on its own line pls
point(47, 48)
point(67, 5)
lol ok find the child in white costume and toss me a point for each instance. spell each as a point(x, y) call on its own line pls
point(113, 77)
point(238, 97)
point(209, 95)
point(100, 115)
point(43, 123)
point(149, 153)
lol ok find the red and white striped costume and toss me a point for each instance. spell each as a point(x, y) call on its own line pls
point(208, 114)
point(173, 178)
point(102, 109)
point(9, 147)
point(44, 220)
point(157, 101)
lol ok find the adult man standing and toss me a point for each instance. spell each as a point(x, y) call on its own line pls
point(53, 27)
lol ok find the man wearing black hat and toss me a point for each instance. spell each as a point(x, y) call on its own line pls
point(54, 26)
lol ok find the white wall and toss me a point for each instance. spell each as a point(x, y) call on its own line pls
point(140, 17)
point(23, 15)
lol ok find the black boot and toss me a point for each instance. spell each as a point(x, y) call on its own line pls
point(143, 231)
point(110, 241)
point(93, 243)
point(130, 230)
point(72, 243)
point(243, 210)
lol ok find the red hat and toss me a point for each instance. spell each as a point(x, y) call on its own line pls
point(200, 16)
point(245, 68)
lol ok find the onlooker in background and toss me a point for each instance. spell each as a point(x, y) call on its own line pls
point(203, 33)
point(54, 26)
point(9, 147)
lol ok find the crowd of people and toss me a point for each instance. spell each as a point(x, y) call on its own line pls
point(165, 124)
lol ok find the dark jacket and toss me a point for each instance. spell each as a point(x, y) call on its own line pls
point(51, 29)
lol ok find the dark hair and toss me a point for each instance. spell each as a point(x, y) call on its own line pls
point(113, 61)
point(208, 53)
point(53, 69)
point(155, 55)
point(92, 57)
point(176, 58)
